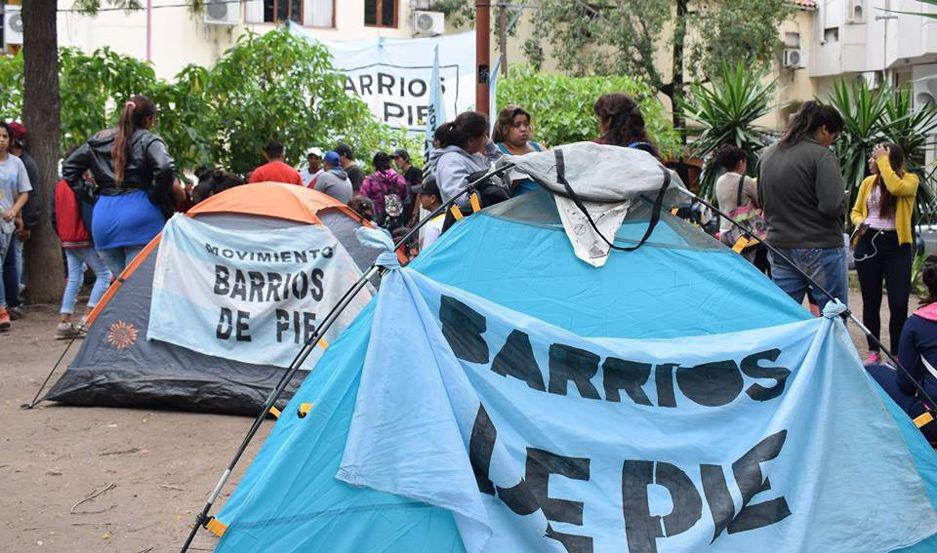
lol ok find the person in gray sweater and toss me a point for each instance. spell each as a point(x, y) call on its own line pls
point(800, 188)
point(465, 149)
point(334, 180)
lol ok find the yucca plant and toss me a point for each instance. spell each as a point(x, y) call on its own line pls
point(863, 112)
point(728, 109)
point(871, 117)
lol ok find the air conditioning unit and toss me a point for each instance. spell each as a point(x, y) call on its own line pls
point(795, 58)
point(431, 23)
point(856, 11)
point(222, 12)
point(12, 26)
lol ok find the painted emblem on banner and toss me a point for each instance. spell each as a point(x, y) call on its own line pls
point(122, 335)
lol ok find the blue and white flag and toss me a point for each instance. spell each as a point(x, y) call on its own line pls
point(256, 296)
point(541, 440)
point(436, 115)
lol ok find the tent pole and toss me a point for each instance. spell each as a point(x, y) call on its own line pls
point(847, 315)
point(203, 518)
point(35, 400)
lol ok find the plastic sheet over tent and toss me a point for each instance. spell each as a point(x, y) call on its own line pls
point(680, 283)
point(159, 374)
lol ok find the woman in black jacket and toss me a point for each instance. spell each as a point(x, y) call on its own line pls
point(134, 175)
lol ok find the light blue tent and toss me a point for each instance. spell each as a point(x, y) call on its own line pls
point(680, 283)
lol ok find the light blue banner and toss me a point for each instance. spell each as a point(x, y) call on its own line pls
point(256, 296)
point(541, 440)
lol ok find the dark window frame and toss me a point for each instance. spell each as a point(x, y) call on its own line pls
point(379, 15)
point(289, 11)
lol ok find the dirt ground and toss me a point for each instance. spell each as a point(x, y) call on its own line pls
point(82, 479)
point(146, 474)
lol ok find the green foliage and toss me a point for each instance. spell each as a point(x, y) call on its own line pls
point(615, 37)
point(267, 87)
point(728, 109)
point(871, 117)
point(561, 106)
point(11, 93)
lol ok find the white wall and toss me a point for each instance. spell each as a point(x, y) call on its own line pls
point(883, 40)
point(180, 38)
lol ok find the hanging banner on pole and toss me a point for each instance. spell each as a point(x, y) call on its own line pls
point(537, 439)
point(256, 296)
point(393, 76)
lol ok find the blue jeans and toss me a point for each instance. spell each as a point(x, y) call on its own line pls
point(13, 274)
point(827, 266)
point(117, 259)
point(77, 258)
point(5, 250)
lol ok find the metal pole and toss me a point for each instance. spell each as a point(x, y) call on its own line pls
point(482, 53)
point(503, 37)
point(149, 30)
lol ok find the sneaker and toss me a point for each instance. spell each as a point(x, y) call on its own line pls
point(67, 331)
point(4, 320)
point(16, 313)
point(874, 358)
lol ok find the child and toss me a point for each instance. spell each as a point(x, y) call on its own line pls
point(430, 199)
point(79, 251)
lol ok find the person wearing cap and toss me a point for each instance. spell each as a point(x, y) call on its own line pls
point(313, 167)
point(334, 180)
point(14, 275)
point(430, 199)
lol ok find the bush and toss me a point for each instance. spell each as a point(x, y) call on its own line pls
point(266, 87)
point(561, 106)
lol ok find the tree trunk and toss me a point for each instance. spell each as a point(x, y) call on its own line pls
point(679, 41)
point(44, 272)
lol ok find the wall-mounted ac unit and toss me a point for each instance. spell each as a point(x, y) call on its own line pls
point(12, 26)
point(222, 12)
point(431, 23)
point(794, 58)
point(856, 11)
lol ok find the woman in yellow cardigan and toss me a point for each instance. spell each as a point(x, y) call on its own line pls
point(882, 215)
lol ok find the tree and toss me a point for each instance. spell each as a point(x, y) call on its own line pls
point(631, 37)
point(562, 105)
point(41, 116)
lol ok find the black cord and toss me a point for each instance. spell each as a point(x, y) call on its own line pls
point(846, 315)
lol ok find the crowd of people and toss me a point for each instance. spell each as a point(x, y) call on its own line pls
point(119, 188)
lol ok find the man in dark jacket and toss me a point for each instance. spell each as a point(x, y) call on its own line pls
point(346, 158)
point(14, 274)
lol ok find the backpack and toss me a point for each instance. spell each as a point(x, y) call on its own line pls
point(393, 205)
point(747, 216)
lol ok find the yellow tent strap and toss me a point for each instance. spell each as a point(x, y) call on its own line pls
point(304, 409)
point(216, 527)
point(921, 420)
point(275, 412)
point(740, 244)
point(456, 212)
point(476, 205)
point(323, 344)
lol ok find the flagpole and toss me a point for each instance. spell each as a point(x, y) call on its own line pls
point(482, 53)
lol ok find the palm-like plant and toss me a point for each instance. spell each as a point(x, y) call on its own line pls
point(727, 109)
point(883, 115)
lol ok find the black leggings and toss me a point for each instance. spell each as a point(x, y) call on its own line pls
point(879, 257)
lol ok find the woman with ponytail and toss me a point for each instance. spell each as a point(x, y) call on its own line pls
point(621, 123)
point(134, 175)
point(464, 150)
point(882, 216)
point(800, 189)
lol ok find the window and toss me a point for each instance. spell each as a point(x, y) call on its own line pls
point(311, 13)
point(380, 13)
point(831, 34)
point(792, 40)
